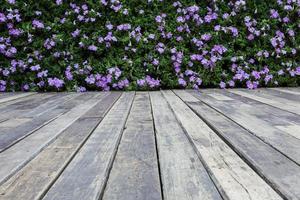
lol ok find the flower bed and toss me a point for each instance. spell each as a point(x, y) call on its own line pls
point(103, 45)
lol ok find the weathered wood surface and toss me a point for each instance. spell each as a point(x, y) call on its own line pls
point(264, 97)
point(86, 176)
point(26, 125)
point(174, 145)
point(283, 177)
point(182, 173)
point(53, 159)
point(228, 170)
point(13, 96)
point(295, 91)
point(135, 173)
point(21, 153)
point(249, 116)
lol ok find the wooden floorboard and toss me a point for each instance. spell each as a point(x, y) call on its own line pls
point(236, 180)
point(176, 145)
point(284, 178)
point(52, 160)
point(264, 97)
point(86, 176)
point(14, 96)
point(247, 116)
point(182, 173)
point(135, 173)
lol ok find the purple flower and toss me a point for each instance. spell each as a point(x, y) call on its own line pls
point(274, 14)
point(25, 87)
point(59, 2)
point(81, 89)
point(37, 24)
point(155, 62)
point(222, 85)
point(90, 79)
point(158, 19)
point(15, 32)
point(92, 48)
point(35, 68)
point(55, 82)
point(11, 1)
point(141, 82)
point(231, 83)
point(182, 82)
point(42, 74)
point(2, 85)
point(124, 27)
point(2, 18)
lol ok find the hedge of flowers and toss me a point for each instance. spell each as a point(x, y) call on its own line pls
point(148, 44)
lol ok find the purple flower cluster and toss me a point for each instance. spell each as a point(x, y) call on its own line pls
point(154, 44)
point(148, 81)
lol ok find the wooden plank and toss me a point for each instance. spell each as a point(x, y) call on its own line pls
point(11, 135)
point(16, 96)
point(282, 96)
point(294, 91)
point(235, 179)
point(6, 94)
point(277, 102)
point(293, 130)
point(14, 158)
point(136, 160)
point(270, 114)
point(50, 162)
point(44, 107)
point(279, 171)
point(253, 119)
point(86, 176)
point(28, 102)
point(182, 173)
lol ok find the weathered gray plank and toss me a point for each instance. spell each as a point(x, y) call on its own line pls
point(25, 126)
point(270, 114)
point(50, 162)
point(295, 91)
point(43, 107)
point(182, 173)
point(136, 160)
point(28, 102)
point(284, 104)
point(6, 94)
point(281, 95)
point(282, 174)
point(235, 179)
point(86, 175)
point(246, 115)
point(14, 158)
point(16, 96)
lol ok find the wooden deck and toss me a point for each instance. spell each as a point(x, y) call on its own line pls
point(175, 145)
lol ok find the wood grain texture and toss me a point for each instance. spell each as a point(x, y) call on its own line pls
point(182, 173)
point(234, 178)
point(135, 172)
point(86, 175)
point(294, 91)
point(8, 109)
point(295, 98)
point(279, 171)
point(11, 135)
point(15, 96)
point(50, 162)
point(253, 119)
point(261, 96)
point(14, 158)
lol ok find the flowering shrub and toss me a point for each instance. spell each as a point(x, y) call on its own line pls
point(118, 44)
